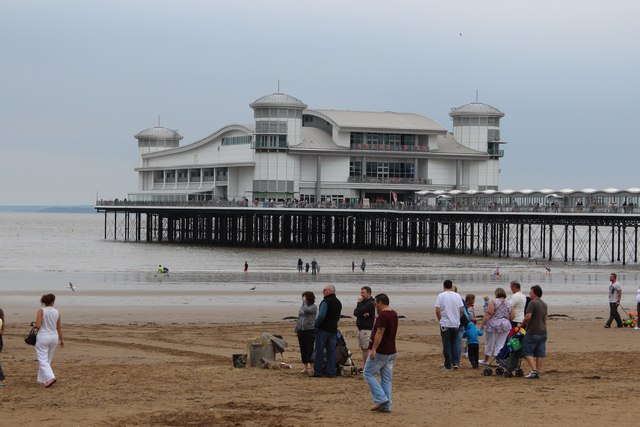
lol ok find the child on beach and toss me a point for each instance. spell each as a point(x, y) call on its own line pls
point(473, 343)
point(485, 305)
point(469, 301)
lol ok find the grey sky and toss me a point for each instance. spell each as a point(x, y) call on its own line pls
point(80, 78)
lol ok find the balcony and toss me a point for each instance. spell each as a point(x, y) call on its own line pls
point(495, 152)
point(389, 180)
point(390, 147)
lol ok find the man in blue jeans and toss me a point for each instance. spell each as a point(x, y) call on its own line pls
point(449, 309)
point(326, 330)
point(535, 341)
point(382, 354)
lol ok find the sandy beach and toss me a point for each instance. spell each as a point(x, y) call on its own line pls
point(173, 367)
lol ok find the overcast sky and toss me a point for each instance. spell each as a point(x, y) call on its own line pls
point(79, 78)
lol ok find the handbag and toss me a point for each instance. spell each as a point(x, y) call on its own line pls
point(30, 338)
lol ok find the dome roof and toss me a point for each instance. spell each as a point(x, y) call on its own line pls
point(476, 109)
point(278, 100)
point(158, 132)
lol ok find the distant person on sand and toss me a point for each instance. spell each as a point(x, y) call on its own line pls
point(615, 296)
point(353, 266)
point(49, 328)
point(3, 382)
point(246, 267)
point(363, 265)
point(497, 272)
point(299, 265)
point(306, 268)
point(314, 266)
point(162, 270)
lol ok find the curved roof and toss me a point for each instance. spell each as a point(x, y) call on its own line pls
point(388, 121)
point(476, 109)
point(158, 132)
point(278, 99)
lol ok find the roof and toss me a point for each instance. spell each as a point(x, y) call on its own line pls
point(158, 132)
point(316, 139)
point(448, 145)
point(476, 109)
point(278, 99)
point(367, 120)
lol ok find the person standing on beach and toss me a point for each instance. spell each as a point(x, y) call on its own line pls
point(326, 329)
point(305, 329)
point(615, 296)
point(518, 302)
point(382, 354)
point(314, 266)
point(49, 328)
point(363, 265)
point(535, 340)
point(299, 265)
point(449, 310)
point(353, 266)
point(246, 267)
point(3, 381)
point(365, 313)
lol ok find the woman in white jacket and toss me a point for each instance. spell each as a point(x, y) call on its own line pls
point(49, 328)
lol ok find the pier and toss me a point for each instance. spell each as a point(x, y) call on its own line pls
point(551, 236)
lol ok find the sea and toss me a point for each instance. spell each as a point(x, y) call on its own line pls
point(44, 252)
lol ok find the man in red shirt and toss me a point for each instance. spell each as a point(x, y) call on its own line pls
point(382, 354)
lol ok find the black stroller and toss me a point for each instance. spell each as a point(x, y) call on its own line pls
point(509, 359)
point(343, 357)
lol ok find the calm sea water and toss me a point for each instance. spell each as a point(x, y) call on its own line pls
point(42, 252)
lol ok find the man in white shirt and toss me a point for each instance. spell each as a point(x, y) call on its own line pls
point(518, 301)
point(449, 308)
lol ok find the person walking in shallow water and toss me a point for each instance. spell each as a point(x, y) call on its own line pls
point(49, 328)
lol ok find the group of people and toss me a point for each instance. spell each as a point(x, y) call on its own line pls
point(49, 337)
point(317, 331)
point(314, 266)
point(457, 320)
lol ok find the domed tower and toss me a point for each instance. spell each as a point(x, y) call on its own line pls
point(278, 119)
point(156, 139)
point(477, 126)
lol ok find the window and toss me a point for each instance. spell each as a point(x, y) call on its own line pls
point(493, 135)
point(235, 140)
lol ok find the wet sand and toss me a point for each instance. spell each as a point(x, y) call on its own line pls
point(152, 366)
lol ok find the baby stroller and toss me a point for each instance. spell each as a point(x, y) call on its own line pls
point(343, 357)
point(509, 359)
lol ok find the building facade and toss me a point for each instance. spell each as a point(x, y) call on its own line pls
point(291, 152)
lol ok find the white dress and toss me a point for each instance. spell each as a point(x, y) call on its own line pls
point(46, 343)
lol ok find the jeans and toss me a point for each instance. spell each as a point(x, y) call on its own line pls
point(325, 341)
point(380, 391)
point(458, 350)
point(614, 315)
point(449, 344)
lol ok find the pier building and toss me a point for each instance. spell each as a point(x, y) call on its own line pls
point(293, 152)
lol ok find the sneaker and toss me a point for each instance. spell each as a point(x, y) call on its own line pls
point(483, 363)
point(455, 367)
point(466, 355)
point(533, 375)
point(445, 369)
point(636, 328)
point(607, 326)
